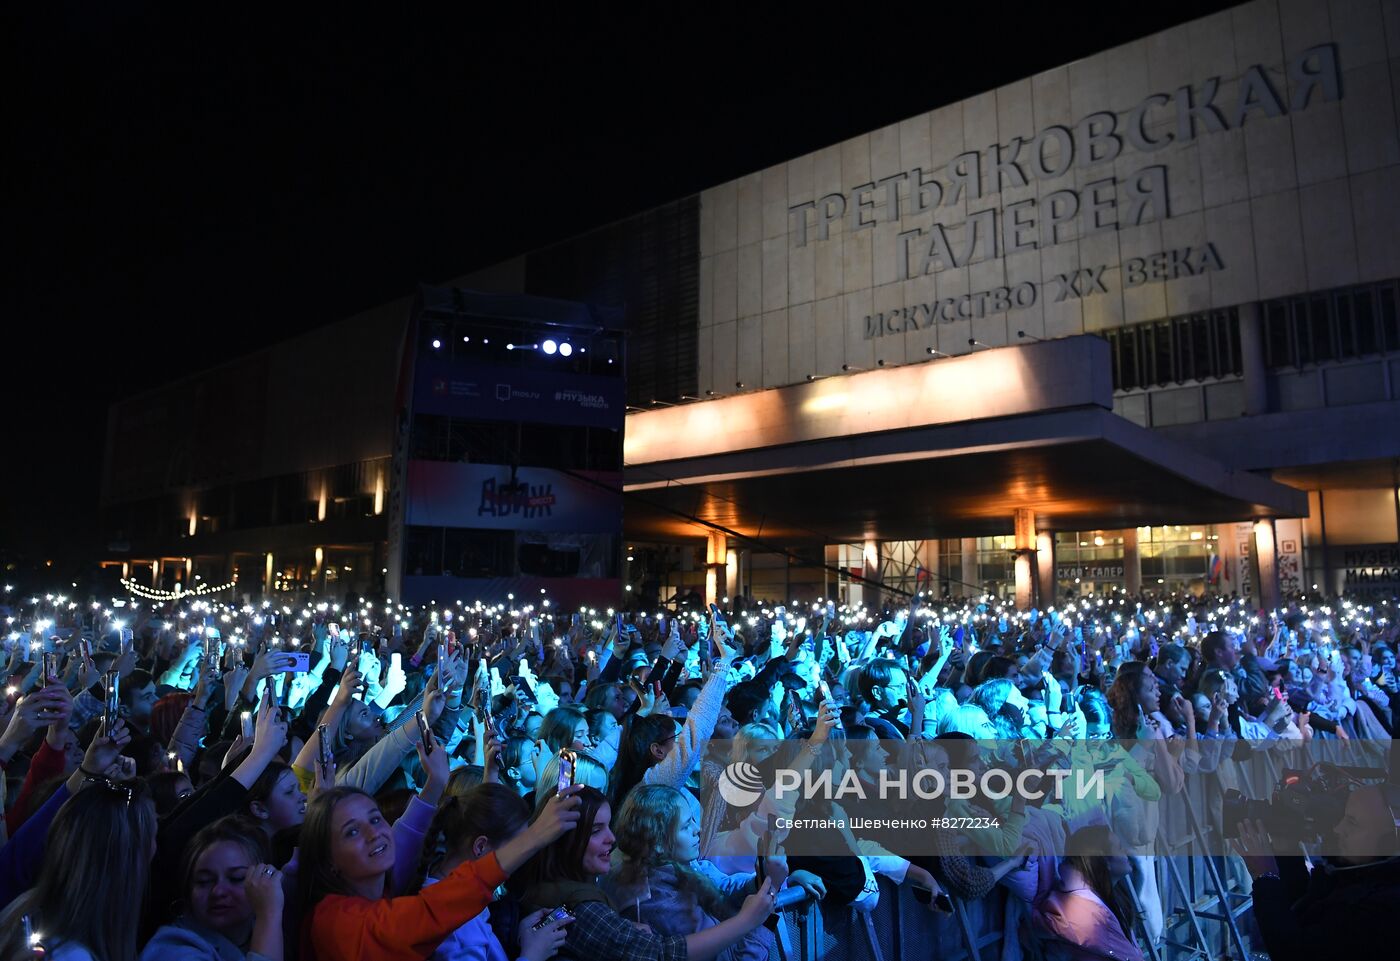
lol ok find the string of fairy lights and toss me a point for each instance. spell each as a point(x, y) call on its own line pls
point(157, 594)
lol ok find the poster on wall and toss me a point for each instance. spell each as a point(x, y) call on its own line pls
point(1288, 535)
point(493, 496)
point(1369, 570)
point(1242, 536)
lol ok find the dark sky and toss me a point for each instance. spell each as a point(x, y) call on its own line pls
point(179, 191)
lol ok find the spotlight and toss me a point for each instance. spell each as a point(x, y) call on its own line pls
point(510, 347)
point(565, 349)
point(549, 347)
point(466, 340)
point(436, 344)
point(974, 343)
point(850, 367)
point(738, 385)
point(935, 352)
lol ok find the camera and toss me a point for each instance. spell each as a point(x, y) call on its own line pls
point(1307, 804)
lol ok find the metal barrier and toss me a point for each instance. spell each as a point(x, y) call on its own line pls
point(899, 928)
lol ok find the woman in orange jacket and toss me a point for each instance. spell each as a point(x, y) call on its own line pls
point(346, 857)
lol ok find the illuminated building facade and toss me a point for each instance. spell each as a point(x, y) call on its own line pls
point(1131, 322)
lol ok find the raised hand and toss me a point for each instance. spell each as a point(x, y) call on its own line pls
point(270, 732)
point(1219, 708)
point(32, 712)
point(724, 642)
point(435, 766)
point(559, 817)
point(350, 683)
point(103, 754)
point(828, 716)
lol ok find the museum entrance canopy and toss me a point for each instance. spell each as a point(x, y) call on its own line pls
point(947, 448)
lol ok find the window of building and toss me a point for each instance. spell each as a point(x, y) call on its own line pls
point(1178, 556)
point(1194, 347)
point(1335, 325)
point(478, 553)
point(422, 552)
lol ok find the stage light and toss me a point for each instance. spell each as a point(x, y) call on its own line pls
point(437, 344)
point(510, 347)
point(549, 347)
point(565, 349)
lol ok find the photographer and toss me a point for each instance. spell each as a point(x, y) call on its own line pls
point(1334, 907)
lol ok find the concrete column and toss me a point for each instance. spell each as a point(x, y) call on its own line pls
point(1266, 557)
point(1256, 385)
point(731, 573)
point(1132, 565)
point(1025, 558)
point(970, 575)
point(715, 553)
point(1045, 558)
point(870, 570)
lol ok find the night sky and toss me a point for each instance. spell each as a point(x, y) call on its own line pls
point(181, 191)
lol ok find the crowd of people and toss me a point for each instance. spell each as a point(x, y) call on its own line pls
point(200, 778)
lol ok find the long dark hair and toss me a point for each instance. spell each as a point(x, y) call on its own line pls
point(1123, 698)
point(563, 859)
point(1086, 852)
point(634, 756)
point(96, 868)
point(492, 811)
point(266, 781)
point(317, 876)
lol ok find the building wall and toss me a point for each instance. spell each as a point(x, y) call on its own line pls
point(319, 400)
point(1300, 201)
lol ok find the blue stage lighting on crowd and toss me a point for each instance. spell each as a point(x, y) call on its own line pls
point(550, 347)
point(565, 349)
